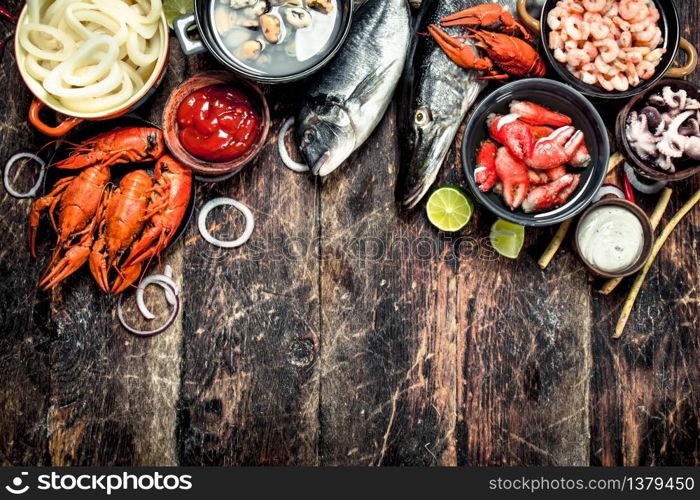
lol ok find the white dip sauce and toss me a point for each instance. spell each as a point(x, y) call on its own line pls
point(610, 238)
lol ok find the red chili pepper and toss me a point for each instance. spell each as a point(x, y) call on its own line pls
point(627, 188)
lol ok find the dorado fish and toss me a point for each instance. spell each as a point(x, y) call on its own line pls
point(347, 100)
point(435, 97)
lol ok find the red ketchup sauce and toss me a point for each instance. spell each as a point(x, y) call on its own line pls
point(217, 123)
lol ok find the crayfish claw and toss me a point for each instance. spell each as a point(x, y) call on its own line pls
point(74, 258)
point(462, 54)
point(126, 278)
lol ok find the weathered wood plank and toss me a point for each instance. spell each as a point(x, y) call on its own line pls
point(644, 401)
point(23, 336)
point(388, 338)
point(525, 356)
point(249, 390)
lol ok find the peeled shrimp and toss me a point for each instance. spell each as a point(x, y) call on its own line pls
point(620, 82)
point(613, 44)
point(600, 31)
point(646, 70)
point(654, 14)
point(594, 5)
point(577, 57)
point(588, 78)
point(632, 75)
point(608, 49)
point(570, 45)
point(654, 55)
point(625, 39)
point(629, 9)
point(647, 34)
point(555, 41)
point(591, 50)
point(577, 28)
point(560, 55)
point(602, 66)
point(605, 83)
point(555, 18)
point(621, 23)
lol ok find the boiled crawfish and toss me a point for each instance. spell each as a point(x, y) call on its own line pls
point(77, 199)
point(123, 145)
point(123, 216)
point(168, 204)
point(113, 229)
point(508, 44)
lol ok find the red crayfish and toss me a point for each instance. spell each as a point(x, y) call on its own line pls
point(508, 44)
point(114, 228)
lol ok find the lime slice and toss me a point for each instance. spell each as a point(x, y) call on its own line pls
point(507, 238)
point(449, 208)
point(176, 8)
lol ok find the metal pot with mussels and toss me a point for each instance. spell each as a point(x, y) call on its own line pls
point(270, 41)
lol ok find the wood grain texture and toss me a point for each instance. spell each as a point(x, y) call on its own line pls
point(644, 404)
point(249, 378)
point(24, 336)
point(346, 332)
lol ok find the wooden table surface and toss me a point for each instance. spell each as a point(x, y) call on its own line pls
point(346, 332)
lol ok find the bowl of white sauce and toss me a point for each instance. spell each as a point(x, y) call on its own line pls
point(614, 238)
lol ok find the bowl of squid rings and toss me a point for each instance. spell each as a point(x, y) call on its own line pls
point(90, 59)
point(611, 49)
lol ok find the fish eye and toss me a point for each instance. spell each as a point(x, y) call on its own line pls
point(422, 116)
point(309, 136)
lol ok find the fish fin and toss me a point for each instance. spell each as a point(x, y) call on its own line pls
point(367, 87)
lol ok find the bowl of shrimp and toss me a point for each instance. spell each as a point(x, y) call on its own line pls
point(612, 49)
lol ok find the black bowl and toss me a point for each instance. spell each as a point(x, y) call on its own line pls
point(670, 27)
point(558, 97)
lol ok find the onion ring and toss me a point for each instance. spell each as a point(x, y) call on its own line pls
point(6, 175)
point(640, 186)
point(209, 206)
point(606, 190)
point(165, 281)
point(149, 333)
point(284, 154)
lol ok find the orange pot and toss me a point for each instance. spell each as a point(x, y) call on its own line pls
point(72, 119)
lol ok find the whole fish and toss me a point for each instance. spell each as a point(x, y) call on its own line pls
point(346, 101)
point(435, 97)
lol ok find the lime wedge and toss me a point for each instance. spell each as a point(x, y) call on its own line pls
point(176, 8)
point(449, 208)
point(507, 238)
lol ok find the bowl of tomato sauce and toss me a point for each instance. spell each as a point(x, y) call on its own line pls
point(216, 123)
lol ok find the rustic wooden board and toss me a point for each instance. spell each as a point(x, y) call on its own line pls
point(347, 331)
point(25, 338)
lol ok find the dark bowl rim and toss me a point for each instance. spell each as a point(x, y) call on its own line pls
point(590, 90)
point(519, 217)
point(214, 48)
point(631, 156)
point(647, 228)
